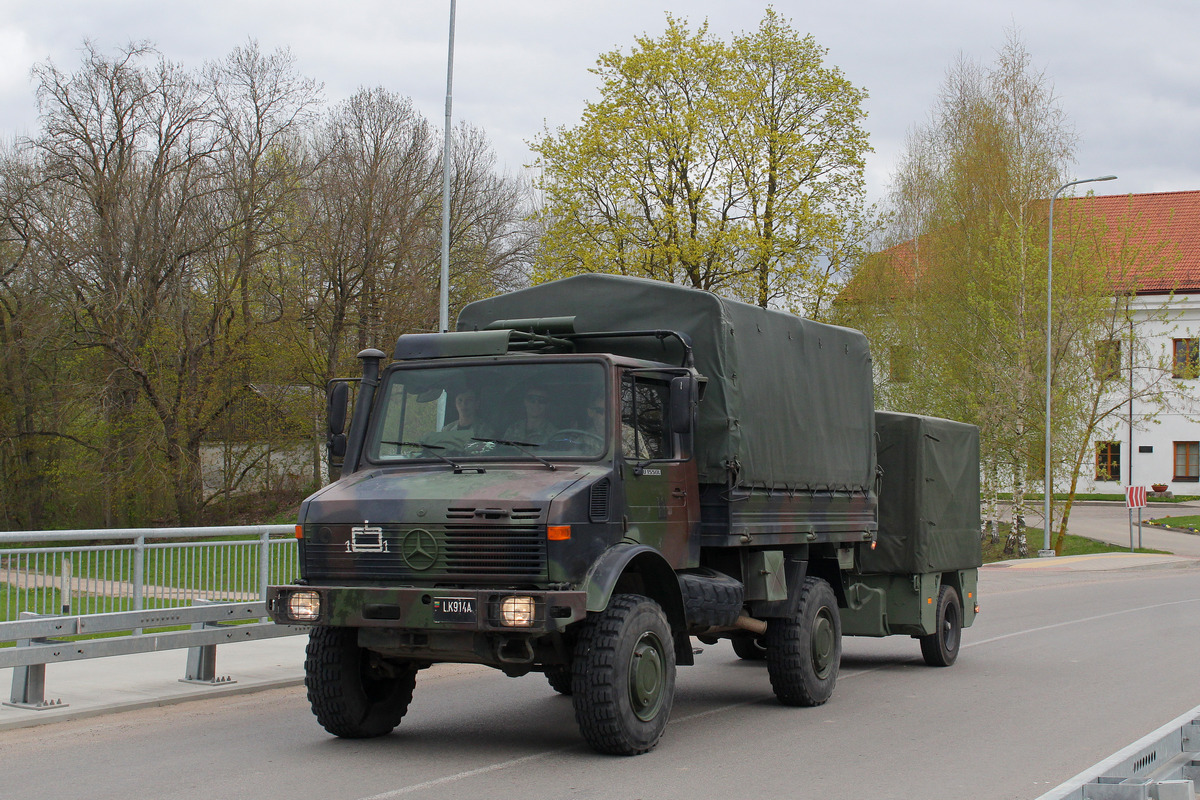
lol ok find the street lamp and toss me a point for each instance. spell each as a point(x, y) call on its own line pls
point(1046, 551)
point(444, 288)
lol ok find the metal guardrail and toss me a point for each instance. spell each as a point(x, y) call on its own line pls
point(1164, 765)
point(118, 583)
point(101, 571)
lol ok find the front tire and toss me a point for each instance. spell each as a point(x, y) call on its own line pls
point(804, 652)
point(354, 693)
point(623, 679)
point(940, 648)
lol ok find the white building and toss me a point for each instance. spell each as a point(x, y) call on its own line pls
point(1162, 446)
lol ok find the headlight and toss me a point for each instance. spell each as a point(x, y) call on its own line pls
point(304, 606)
point(517, 612)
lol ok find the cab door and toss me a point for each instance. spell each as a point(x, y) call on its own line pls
point(660, 477)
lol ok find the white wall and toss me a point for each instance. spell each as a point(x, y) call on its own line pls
point(1154, 427)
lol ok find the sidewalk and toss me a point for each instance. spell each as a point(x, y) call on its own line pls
point(97, 686)
point(1090, 563)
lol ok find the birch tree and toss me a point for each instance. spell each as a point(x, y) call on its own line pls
point(960, 285)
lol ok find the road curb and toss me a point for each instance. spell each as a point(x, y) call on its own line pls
point(28, 719)
point(1091, 562)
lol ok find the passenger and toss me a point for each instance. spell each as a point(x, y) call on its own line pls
point(466, 403)
point(535, 426)
point(595, 417)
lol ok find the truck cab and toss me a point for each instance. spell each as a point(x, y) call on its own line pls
point(487, 529)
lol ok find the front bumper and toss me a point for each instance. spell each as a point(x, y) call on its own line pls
point(419, 609)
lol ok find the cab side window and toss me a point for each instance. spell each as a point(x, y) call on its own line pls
point(645, 433)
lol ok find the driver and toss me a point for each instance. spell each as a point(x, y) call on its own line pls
point(466, 403)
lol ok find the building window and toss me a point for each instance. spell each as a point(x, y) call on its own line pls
point(1108, 461)
point(1186, 360)
point(1108, 360)
point(900, 363)
point(1187, 461)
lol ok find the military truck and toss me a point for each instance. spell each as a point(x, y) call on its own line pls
point(588, 473)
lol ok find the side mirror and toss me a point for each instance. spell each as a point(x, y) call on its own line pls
point(681, 404)
point(336, 404)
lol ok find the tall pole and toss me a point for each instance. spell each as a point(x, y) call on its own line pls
point(444, 290)
point(444, 300)
point(1048, 487)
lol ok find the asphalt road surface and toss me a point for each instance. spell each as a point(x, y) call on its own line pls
point(1060, 670)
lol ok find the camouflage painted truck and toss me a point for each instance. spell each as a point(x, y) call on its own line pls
point(590, 472)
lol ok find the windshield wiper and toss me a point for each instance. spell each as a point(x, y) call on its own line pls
point(432, 448)
point(520, 446)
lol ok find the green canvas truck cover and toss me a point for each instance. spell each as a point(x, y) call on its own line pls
point(788, 401)
point(928, 497)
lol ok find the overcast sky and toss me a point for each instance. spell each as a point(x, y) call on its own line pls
point(1128, 74)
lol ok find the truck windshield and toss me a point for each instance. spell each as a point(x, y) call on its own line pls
point(533, 411)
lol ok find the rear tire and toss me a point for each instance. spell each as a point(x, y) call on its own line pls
point(940, 648)
point(623, 680)
point(749, 646)
point(804, 652)
point(355, 694)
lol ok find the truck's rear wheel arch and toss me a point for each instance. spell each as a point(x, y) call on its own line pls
point(827, 569)
point(640, 569)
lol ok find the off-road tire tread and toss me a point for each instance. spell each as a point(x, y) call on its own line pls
point(595, 692)
point(789, 662)
point(331, 676)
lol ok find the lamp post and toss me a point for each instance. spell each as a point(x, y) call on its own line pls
point(444, 294)
point(444, 288)
point(1048, 488)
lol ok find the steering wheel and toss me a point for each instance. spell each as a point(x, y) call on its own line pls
point(573, 436)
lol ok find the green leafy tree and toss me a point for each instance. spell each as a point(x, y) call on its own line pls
point(732, 167)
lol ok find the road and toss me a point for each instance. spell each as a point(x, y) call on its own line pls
point(1061, 669)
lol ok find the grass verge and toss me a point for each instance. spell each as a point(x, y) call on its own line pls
point(1034, 537)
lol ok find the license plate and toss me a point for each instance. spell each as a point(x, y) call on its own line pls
point(454, 609)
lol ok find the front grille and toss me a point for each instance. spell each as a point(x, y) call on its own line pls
point(495, 551)
point(455, 553)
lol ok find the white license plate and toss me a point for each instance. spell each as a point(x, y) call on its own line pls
point(454, 609)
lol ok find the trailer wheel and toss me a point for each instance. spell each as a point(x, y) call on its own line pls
point(804, 652)
point(559, 677)
point(749, 646)
point(354, 693)
point(940, 648)
point(623, 678)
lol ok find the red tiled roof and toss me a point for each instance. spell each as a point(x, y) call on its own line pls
point(1170, 220)
point(1159, 231)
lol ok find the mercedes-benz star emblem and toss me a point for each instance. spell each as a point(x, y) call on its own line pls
point(419, 549)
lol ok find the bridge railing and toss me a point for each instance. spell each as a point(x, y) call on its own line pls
point(70, 595)
point(102, 571)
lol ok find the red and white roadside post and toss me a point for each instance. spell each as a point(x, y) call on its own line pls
point(1135, 497)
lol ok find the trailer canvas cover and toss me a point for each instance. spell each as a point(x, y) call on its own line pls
point(929, 496)
point(788, 402)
